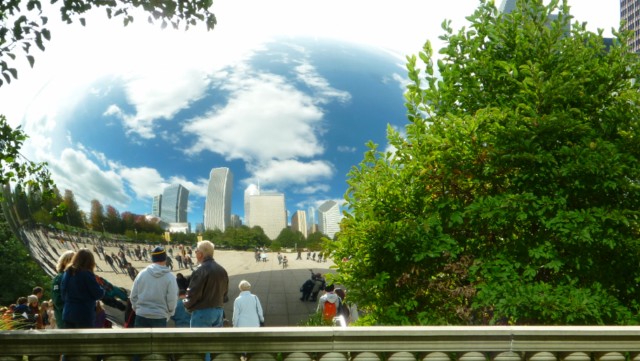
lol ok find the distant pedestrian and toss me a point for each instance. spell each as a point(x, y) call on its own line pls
point(109, 261)
point(318, 285)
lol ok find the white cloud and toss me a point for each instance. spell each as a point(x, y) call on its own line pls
point(346, 149)
point(196, 189)
point(325, 93)
point(291, 171)
point(280, 123)
point(147, 182)
point(73, 168)
point(402, 80)
point(144, 182)
point(313, 189)
point(154, 100)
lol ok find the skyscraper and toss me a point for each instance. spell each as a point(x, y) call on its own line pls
point(173, 208)
point(329, 218)
point(299, 223)
point(268, 211)
point(311, 219)
point(156, 206)
point(252, 190)
point(630, 15)
point(217, 208)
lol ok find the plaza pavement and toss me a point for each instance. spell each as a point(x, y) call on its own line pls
point(278, 289)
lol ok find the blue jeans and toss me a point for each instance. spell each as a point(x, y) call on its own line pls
point(207, 317)
point(150, 322)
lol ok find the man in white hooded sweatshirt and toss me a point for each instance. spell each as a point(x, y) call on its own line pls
point(154, 294)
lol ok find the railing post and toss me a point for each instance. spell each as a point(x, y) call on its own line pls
point(575, 356)
point(472, 356)
point(333, 356)
point(368, 356)
point(10, 358)
point(506, 356)
point(609, 356)
point(402, 356)
point(261, 357)
point(541, 356)
point(188, 357)
point(156, 357)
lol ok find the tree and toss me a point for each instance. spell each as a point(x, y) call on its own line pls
point(315, 241)
point(514, 196)
point(289, 238)
point(14, 168)
point(21, 271)
point(24, 25)
point(96, 216)
point(113, 221)
point(73, 216)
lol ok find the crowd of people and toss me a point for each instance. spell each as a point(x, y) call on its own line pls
point(157, 298)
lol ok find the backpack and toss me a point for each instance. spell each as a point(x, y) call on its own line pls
point(330, 310)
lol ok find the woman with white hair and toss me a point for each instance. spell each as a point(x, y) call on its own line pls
point(247, 311)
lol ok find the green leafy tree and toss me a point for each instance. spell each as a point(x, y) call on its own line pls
point(14, 168)
point(96, 216)
point(73, 215)
point(289, 238)
point(315, 241)
point(21, 272)
point(514, 195)
point(113, 222)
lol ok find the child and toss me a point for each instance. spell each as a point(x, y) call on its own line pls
point(44, 312)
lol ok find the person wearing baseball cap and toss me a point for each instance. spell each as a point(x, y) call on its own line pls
point(154, 294)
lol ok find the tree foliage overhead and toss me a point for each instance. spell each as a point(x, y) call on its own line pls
point(16, 169)
point(514, 195)
point(23, 23)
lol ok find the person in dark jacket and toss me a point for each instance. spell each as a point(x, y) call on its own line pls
point(207, 290)
point(80, 291)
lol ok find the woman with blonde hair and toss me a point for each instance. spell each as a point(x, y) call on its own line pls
point(247, 311)
point(58, 303)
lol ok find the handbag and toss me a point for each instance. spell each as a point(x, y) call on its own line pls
point(257, 312)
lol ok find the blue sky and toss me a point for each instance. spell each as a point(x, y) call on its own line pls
point(114, 148)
